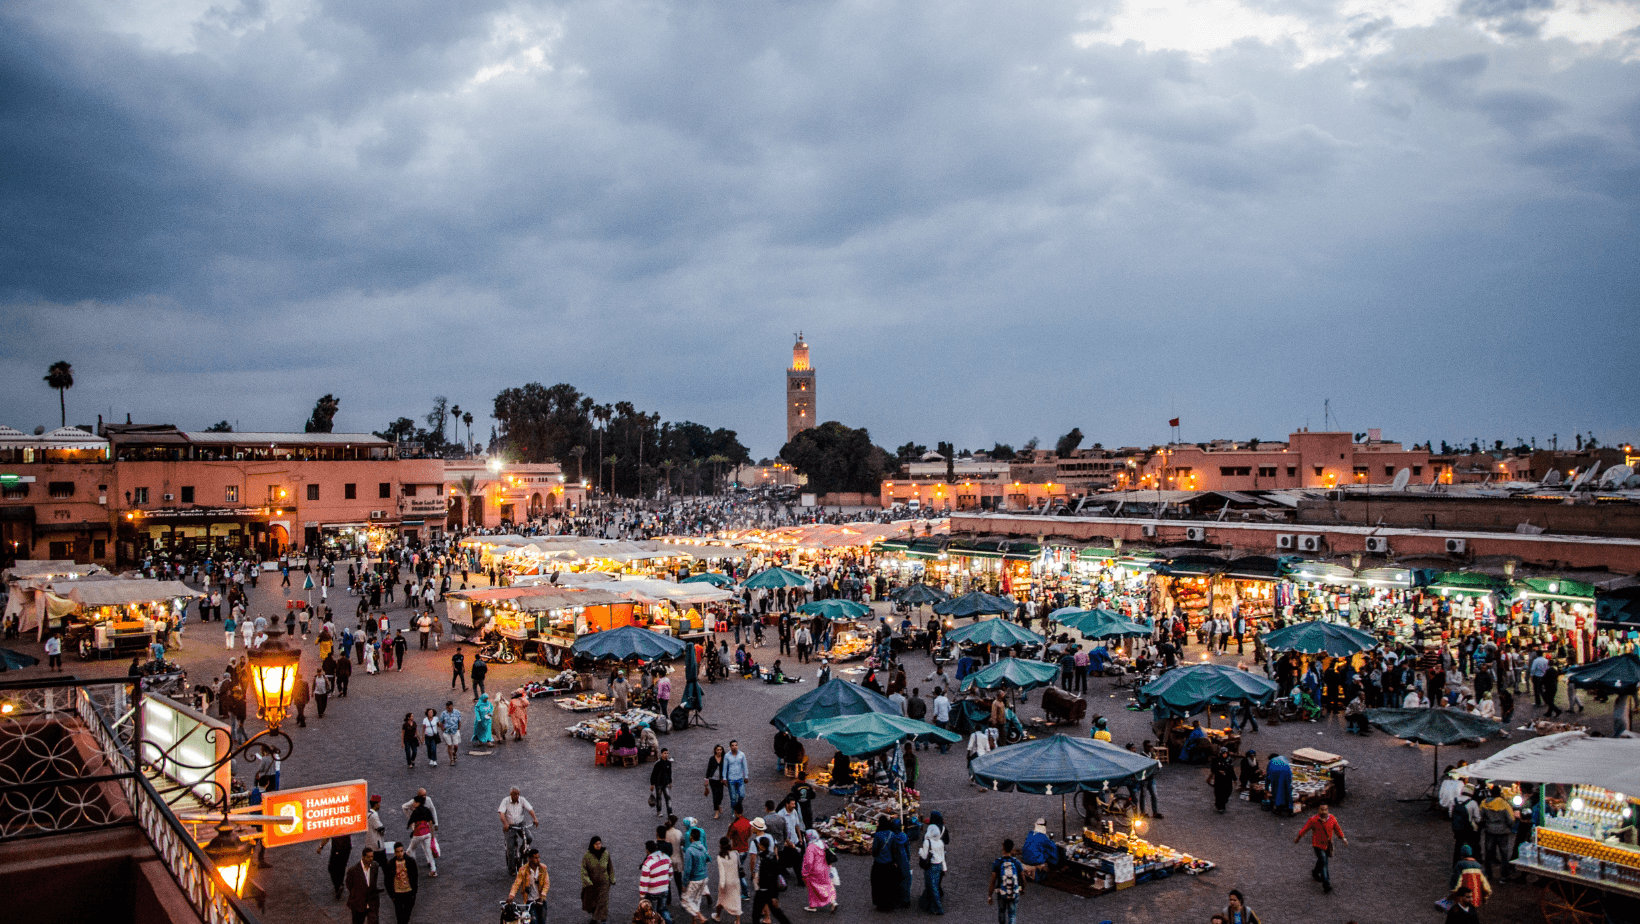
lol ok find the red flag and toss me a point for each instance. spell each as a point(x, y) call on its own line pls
point(1174, 422)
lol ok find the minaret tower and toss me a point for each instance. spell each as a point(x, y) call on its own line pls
point(799, 391)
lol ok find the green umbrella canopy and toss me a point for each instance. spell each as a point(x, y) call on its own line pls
point(1199, 687)
point(1433, 726)
point(1102, 624)
point(16, 660)
point(627, 642)
point(1617, 674)
point(976, 603)
point(1058, 765)
point(998, 632)
point(835, 609)
point(1469, 581)
point(836, 697)
point(775, 578)
point(709, 577)
point(857, 735)
point(1318, 636)
point(918, 594)
point(1012, 674)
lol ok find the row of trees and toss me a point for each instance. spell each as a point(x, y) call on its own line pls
point(634, 453)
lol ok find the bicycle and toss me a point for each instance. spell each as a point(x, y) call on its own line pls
point(519, 847)
point(517, 913)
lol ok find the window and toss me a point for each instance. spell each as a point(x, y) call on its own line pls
point(440, 490)
point(187, 494)
point(60, 489)
point(313, 492)
point(409, 490)
point(1292, 471)
point(230, 494)
point(385, 489)
point(99, 548)
point(1235, 471)
point(18, 489)
point(1361, 470)
point(350, 491)
point(1389, 471)
point(1318, 471)
point(139, 496)
point(1417, 470)
point(1266, 471)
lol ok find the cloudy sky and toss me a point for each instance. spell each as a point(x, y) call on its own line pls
point(992, 221)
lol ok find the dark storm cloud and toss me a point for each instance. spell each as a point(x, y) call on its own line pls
point(991, 222)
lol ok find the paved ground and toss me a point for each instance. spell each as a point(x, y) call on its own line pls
point(1393, 870)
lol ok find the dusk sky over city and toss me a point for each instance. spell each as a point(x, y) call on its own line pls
point(991, 222)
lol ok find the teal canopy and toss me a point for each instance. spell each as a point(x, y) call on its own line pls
point(1199, 687)
point(775, 578)
point(918, 594)
point(999, 632)
point(858, 735)
point(1012, 674)
point(1058, 765)
point(836, 697)
point(835, 609)
point(1617, 674)
point(976, 603)
point(709, 577)
point(1318, 636)
point(627, 642)
point(1433, 726)
point(1103, 624)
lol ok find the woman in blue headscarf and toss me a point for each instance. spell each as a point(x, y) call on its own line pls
point(483, 709)
point(1278, 783)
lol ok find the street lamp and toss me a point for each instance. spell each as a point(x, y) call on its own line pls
point(231, 857)
point(274, 669)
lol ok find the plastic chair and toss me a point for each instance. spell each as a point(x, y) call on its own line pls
point(600, 754)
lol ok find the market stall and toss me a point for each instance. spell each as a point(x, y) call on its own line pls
point(1197, 688)
point(1100, 860)
point(115, 617)
point(544, 621)
point(1584, 846)
point(26, 583)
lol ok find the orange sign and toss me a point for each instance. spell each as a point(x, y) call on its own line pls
point(316, 812)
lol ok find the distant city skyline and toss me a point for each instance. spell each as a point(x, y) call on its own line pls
point(991, 224)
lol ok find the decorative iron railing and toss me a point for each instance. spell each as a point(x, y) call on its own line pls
point(68, 765)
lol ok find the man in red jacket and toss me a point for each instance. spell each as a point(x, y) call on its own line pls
point(1322, 827)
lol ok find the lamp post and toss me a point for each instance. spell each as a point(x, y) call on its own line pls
point(231, 858)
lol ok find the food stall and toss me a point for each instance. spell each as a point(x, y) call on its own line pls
point(1108, 861)
point(1585, 845)
point(115, 617)
point(543, 620)
point(26, 583)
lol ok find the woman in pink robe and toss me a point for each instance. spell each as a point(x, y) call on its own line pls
point(817, 874)
point(518, 709)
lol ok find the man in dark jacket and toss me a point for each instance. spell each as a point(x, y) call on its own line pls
point(401, 882)
point(364, 888)
point(660, 783)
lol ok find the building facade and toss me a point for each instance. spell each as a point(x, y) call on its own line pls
point(490, 494)
point(800, 391)
point(1306, 460)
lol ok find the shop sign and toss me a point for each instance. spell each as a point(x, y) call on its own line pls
point(426, 506)
point(316, 812)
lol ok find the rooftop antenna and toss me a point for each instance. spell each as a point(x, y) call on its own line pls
point(1326, 414)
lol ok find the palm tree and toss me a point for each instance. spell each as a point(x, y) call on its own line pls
point(666, 468)
point(455, 415)
point(603, 412)
point(468, 486)
point(61, 377)
point(467, 418)
point(578, 452)
point(716, 459)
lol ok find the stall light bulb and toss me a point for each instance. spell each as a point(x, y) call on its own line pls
point(1518, 801)
point(1577, 804)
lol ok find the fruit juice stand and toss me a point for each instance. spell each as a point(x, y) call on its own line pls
point(1584, 846)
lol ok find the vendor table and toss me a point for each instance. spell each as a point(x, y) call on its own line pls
point(1217, 737)
point(1110, 862)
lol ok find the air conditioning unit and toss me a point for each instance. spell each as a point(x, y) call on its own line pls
point(1195, 534)
point(1286, 541)
point(1148, 531)
point(1309, 543)
point(1456, 546)
point(1378, 545)
point(170, 497)
point(378, 514)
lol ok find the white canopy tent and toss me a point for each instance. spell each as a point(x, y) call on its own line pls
point(1569, 758)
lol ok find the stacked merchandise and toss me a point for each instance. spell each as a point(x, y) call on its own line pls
point(606, 727)
point(585, 702)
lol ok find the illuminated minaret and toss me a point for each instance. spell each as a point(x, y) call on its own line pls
point(799, 391)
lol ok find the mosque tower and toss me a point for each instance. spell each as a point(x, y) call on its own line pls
point(799, 391)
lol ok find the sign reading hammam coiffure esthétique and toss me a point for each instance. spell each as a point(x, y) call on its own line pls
point(316, 812)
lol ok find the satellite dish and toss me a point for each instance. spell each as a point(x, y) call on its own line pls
point(1582, 477)
point(39, 430)
point(1552, 479)
point(1616, 475)
point(1401, 478)
point(554, 579)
